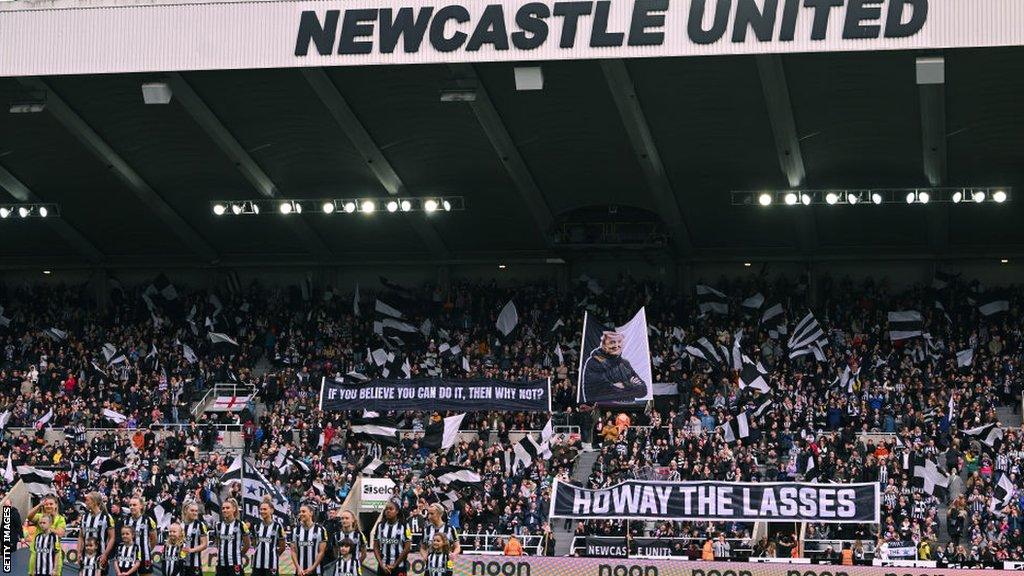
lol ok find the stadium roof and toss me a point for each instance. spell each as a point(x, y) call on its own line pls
point(670, 137)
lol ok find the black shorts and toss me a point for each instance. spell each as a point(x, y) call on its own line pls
point(263, 572)
point(191, 571)
point(236, 570)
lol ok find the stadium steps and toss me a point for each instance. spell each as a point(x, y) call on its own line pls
point(1007, 418)
point(563, 536)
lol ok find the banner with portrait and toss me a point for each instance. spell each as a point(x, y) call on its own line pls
point(615, 364)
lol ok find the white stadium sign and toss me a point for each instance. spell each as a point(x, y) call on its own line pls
point(111, 36)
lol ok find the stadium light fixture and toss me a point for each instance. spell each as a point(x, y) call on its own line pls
point(430, 205)
point(389, 204)
point(1004, 261)
point(447, 205)
point(392, 206)
point(911, 197)
point(156, 93)
point(23, 212)
point(957, 197)
point(999, 196)
point(350, 207)
point(831, 198)
point(43, 212)
point(979, 196)
point(219, 209)
point(368, 206)
point(5, 212)
point(406, 205)
point(853, 199)
point(502, 266)
point(923, 197)
point(328, 207)
point(286, 207)
point(765, 199)
point(806, 199)
point(747, 264)
point(236, 209)
point(46, 272)
point(791, 199)
point(876, 198)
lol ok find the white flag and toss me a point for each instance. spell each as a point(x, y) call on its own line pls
point(558, 353)
point(465, 364)
point(189, 354)
point(9, 471)
point(355, 301)
point(113, 416)
point(965, 357)
point(219, 337)
point(508, 319)
point(4, 419)
point(451, 430)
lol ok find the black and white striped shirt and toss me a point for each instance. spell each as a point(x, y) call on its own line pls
point(449, 534)
point(143, 527)
point(348, 567)
point(174, 559)
point(229, 542)
point(90, 566)
point(391, 540)
point(307, 541)
point(46, 554)
point(127, 556)
point(96, 526)
point(356, 537)
point(264, 540)
point(438, 564)
point(194, 532)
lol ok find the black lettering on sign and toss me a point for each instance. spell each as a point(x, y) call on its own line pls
point(357, 23)
point(762, 22)
point(311, 30)
point(695, 26)
point(531, 19)
point(822, 11)
point(643, 20)
point(438, 40)
point(895, 27)
point(403, 26)
point(490, 30)
point(858, 15)
point(570, 13)
point(599, 35)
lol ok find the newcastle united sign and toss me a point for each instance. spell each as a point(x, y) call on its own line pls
point(720, 501)
point(109, 36)
point(436, 394)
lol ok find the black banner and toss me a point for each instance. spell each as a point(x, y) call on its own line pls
point(607, 547)
point(436, 394)
point(656, 547)
point(704, 501)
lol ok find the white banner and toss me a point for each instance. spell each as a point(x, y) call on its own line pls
point(375, 493)
point(107, 36)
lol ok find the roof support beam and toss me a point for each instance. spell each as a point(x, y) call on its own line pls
point(74, 238)
point(208, 121)
point(787, 142)
point(503, 144)
point(350, 125)
point(932, 92)
point(639, 132)
point(144, 192)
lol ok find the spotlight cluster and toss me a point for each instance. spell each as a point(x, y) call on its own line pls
point(329, 206)
point(20, 211)
point(853, 197)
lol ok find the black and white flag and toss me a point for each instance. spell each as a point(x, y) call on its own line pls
point(382, 308)
point(114, 416)
point(369, 466)
point(928, 476)
point(56, 334)
point(905, 324)
point(381, 431)
point(989, 434)
point(1002, 493)
point(993, 303)
point(457, 477)
point(753, 375)
point(37, 482)
point(110, 466)
point(162, 287)
point(444, 434)
point(754, 302)
point(763, 404)
point(190, 355)
point(220, 338)
point(254, 487)
point(736, 429)
point(44, 420)
point(711, 300)
point(707, 351)
point(527, 450)
point(396, 366)
point(965, 358)
point(508, 318)
point(806, 333)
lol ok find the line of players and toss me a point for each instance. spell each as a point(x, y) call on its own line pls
point(263, 542)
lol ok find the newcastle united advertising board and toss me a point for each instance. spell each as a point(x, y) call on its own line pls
point(117, 36)
point(720, 501)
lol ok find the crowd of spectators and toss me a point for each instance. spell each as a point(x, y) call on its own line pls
point(912, 393)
